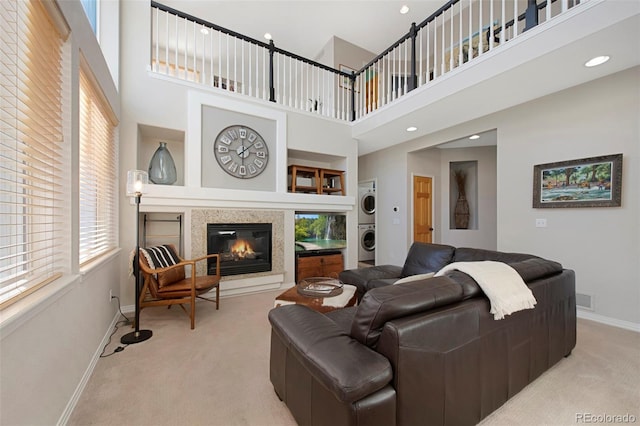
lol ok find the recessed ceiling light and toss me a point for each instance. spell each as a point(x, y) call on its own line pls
point(473, 137)
point(412, 129)
point(598, 60)
point(268, 36)
point(404, 9)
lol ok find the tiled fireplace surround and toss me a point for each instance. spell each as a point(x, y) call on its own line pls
point(201, 217)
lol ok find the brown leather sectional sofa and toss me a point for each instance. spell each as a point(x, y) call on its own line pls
point(426, 352)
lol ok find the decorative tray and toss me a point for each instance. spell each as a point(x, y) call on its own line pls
point(320, 287)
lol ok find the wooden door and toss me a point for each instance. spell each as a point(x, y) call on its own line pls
point(422, 209)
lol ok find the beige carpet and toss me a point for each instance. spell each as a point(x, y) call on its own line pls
point(218, 374)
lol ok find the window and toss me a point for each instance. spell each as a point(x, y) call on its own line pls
point(98, 172)
point(91, 10)
point(31, 150)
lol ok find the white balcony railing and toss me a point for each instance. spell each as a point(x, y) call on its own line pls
point(188, 48)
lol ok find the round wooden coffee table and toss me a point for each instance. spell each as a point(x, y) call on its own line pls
point(321, 304)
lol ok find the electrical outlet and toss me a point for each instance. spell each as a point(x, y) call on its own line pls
point(541, 223)
point(110, 295)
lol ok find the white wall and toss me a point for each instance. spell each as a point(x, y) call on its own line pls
point(389, 168)
point(49, 339)
point(601, 244)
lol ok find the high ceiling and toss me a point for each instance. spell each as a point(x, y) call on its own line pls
point(304, 27)
point(554, 57)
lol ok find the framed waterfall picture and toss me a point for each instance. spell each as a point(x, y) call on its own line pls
point(587, 182)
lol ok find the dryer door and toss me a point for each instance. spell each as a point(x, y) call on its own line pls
point(368, 203)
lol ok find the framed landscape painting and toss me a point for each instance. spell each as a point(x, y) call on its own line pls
point(345, 82)
point(587, 182)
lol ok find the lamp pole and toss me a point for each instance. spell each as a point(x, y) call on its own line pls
point(137, 335)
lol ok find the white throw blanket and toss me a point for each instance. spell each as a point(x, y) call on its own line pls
point(504, 287)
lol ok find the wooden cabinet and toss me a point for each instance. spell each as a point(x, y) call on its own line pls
point(318, 265)
point(315, 180)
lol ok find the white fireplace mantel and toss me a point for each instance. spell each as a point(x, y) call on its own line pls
point(182, 197)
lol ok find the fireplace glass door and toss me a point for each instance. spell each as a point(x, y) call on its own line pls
point(244, 248)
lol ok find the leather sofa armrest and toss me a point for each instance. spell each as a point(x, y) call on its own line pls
point(362, 277)
point(345, 367)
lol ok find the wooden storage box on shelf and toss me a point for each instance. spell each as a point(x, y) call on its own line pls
point(315, 180)
point(329, 265)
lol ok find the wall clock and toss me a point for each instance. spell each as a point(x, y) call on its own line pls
point(241, 151)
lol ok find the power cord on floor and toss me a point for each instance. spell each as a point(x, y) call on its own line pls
point(126, 321)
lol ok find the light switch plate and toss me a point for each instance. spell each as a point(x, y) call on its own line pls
point(541, 223)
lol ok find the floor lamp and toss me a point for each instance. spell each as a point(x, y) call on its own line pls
point(136, 180)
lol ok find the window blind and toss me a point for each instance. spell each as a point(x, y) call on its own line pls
point(98, 172)
point(31, 146)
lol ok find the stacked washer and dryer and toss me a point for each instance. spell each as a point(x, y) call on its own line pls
point(367, 222)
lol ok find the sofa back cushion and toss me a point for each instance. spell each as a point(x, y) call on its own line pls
point(466, 254)
point(426, 257)
point(536, 268)
point(395, 301)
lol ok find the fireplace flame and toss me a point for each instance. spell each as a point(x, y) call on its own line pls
point(242, 249)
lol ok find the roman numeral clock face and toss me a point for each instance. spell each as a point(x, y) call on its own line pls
point(241, 152)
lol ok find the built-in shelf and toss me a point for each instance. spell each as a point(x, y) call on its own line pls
point(149, 138)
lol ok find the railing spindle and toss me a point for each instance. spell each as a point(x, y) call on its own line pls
point(503, 20)
point(442, 46)
point(515, 18)
point(390, 73)
point(480, 37)
point(249, 77)
point(186, 49)
point(204, 52)
point(195, 51)
point(242, 43)
point(491, 21)
point(427, 76)
point(211, 55)
point(166, 40)
point(451, 43)
point(470, 36)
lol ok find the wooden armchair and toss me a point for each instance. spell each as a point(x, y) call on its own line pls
point(169, 285)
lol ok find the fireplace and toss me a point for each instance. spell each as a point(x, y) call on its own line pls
point(244, 248)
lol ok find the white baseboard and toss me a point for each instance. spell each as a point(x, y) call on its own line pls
point(66, 414)
point(627, 325)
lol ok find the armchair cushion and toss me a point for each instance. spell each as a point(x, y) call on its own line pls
point(162, 257)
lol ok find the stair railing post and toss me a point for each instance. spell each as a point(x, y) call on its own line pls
point(272, 88)
point(531, 14)
point(352, 81)
point(413, 80)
